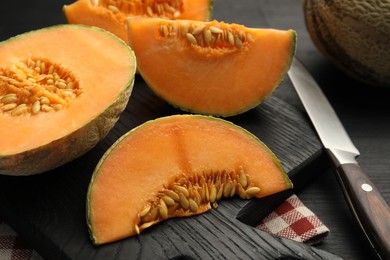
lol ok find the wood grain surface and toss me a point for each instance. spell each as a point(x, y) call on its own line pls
point(49, 209)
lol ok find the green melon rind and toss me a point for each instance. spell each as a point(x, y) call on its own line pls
point(95, 241)
point(65, 149)
point(368, 61)
point(211, 9)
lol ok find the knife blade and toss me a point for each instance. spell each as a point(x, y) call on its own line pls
point(369, 208)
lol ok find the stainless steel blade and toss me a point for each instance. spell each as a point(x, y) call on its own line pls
point(365, 200)
point(329, 128)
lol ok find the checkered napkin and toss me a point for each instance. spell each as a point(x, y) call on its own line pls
point(293, 220)
point(290, 220)
point(12, 246)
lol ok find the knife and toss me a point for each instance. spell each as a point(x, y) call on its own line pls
point(364, 199)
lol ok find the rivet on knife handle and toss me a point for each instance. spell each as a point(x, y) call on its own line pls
point(367, 204)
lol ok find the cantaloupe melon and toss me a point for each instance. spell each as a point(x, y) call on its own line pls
point(176, 166)
point(211, 68)
point(62, 89)
point(111, 15)
point(354, 35)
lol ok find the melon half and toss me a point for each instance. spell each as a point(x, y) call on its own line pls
point(62, 89)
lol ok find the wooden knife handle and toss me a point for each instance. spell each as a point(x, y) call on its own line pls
point(368, 205)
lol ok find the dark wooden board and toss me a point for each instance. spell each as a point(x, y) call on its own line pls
point(48, 210)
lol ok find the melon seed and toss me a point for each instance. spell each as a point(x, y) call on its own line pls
point(168, 200)
point(193, 205)
point(238, 42)
point(136, 228)
point(197, 196)
point(164, 30)
point(249, 37)
point(154, 213)
point(191, 38)
point(146, 225)
point(163, 210)
point(231, 38)
point(207, 36)
point(61, 84)
point(184, 203)
point(149, 11)
point(216, 30)
point(207, 192)
point(36, 107)
point(227, 189)
point(9, 99)
point(145, 211)
point(173, 208)
point(241, 191)
point(113, 8)
point(44, 100)
point(169, 8)
point(173, 195)
point(8, 107)
point(220, 192)
point(182, 190)
point(21, 109)
point(184, 29)
point(252, 191)
point(176, 14)
point(198, 29)
point(233, 191)
point(213, 193)
point(242, 178)
point(46, 108)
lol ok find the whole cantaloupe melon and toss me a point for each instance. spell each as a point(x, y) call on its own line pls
point(354, 35)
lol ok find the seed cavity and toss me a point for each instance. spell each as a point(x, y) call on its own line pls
point(203, 35)
point(195, 194)
point(167, 9)
point(36, 85)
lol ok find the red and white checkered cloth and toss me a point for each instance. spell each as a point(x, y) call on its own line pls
point(12, 246)
point(291, 220)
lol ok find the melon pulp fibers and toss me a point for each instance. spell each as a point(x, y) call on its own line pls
point(176, 166)
point(62, 89)
point(111, 15)
point(211, 68)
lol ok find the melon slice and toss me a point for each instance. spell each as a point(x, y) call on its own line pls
point(111, 14)
point(176, 166)
point(211, 68)
point(62, 89)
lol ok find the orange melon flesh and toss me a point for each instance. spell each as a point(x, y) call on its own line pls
point(152, 156)
point(104, 67)
point(101, 13)
point(218, 78)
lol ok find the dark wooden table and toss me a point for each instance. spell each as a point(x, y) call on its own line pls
point(364, 110)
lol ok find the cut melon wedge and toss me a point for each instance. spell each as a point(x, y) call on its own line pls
point(111, 14)
point(211, 68)
point(176, 166)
